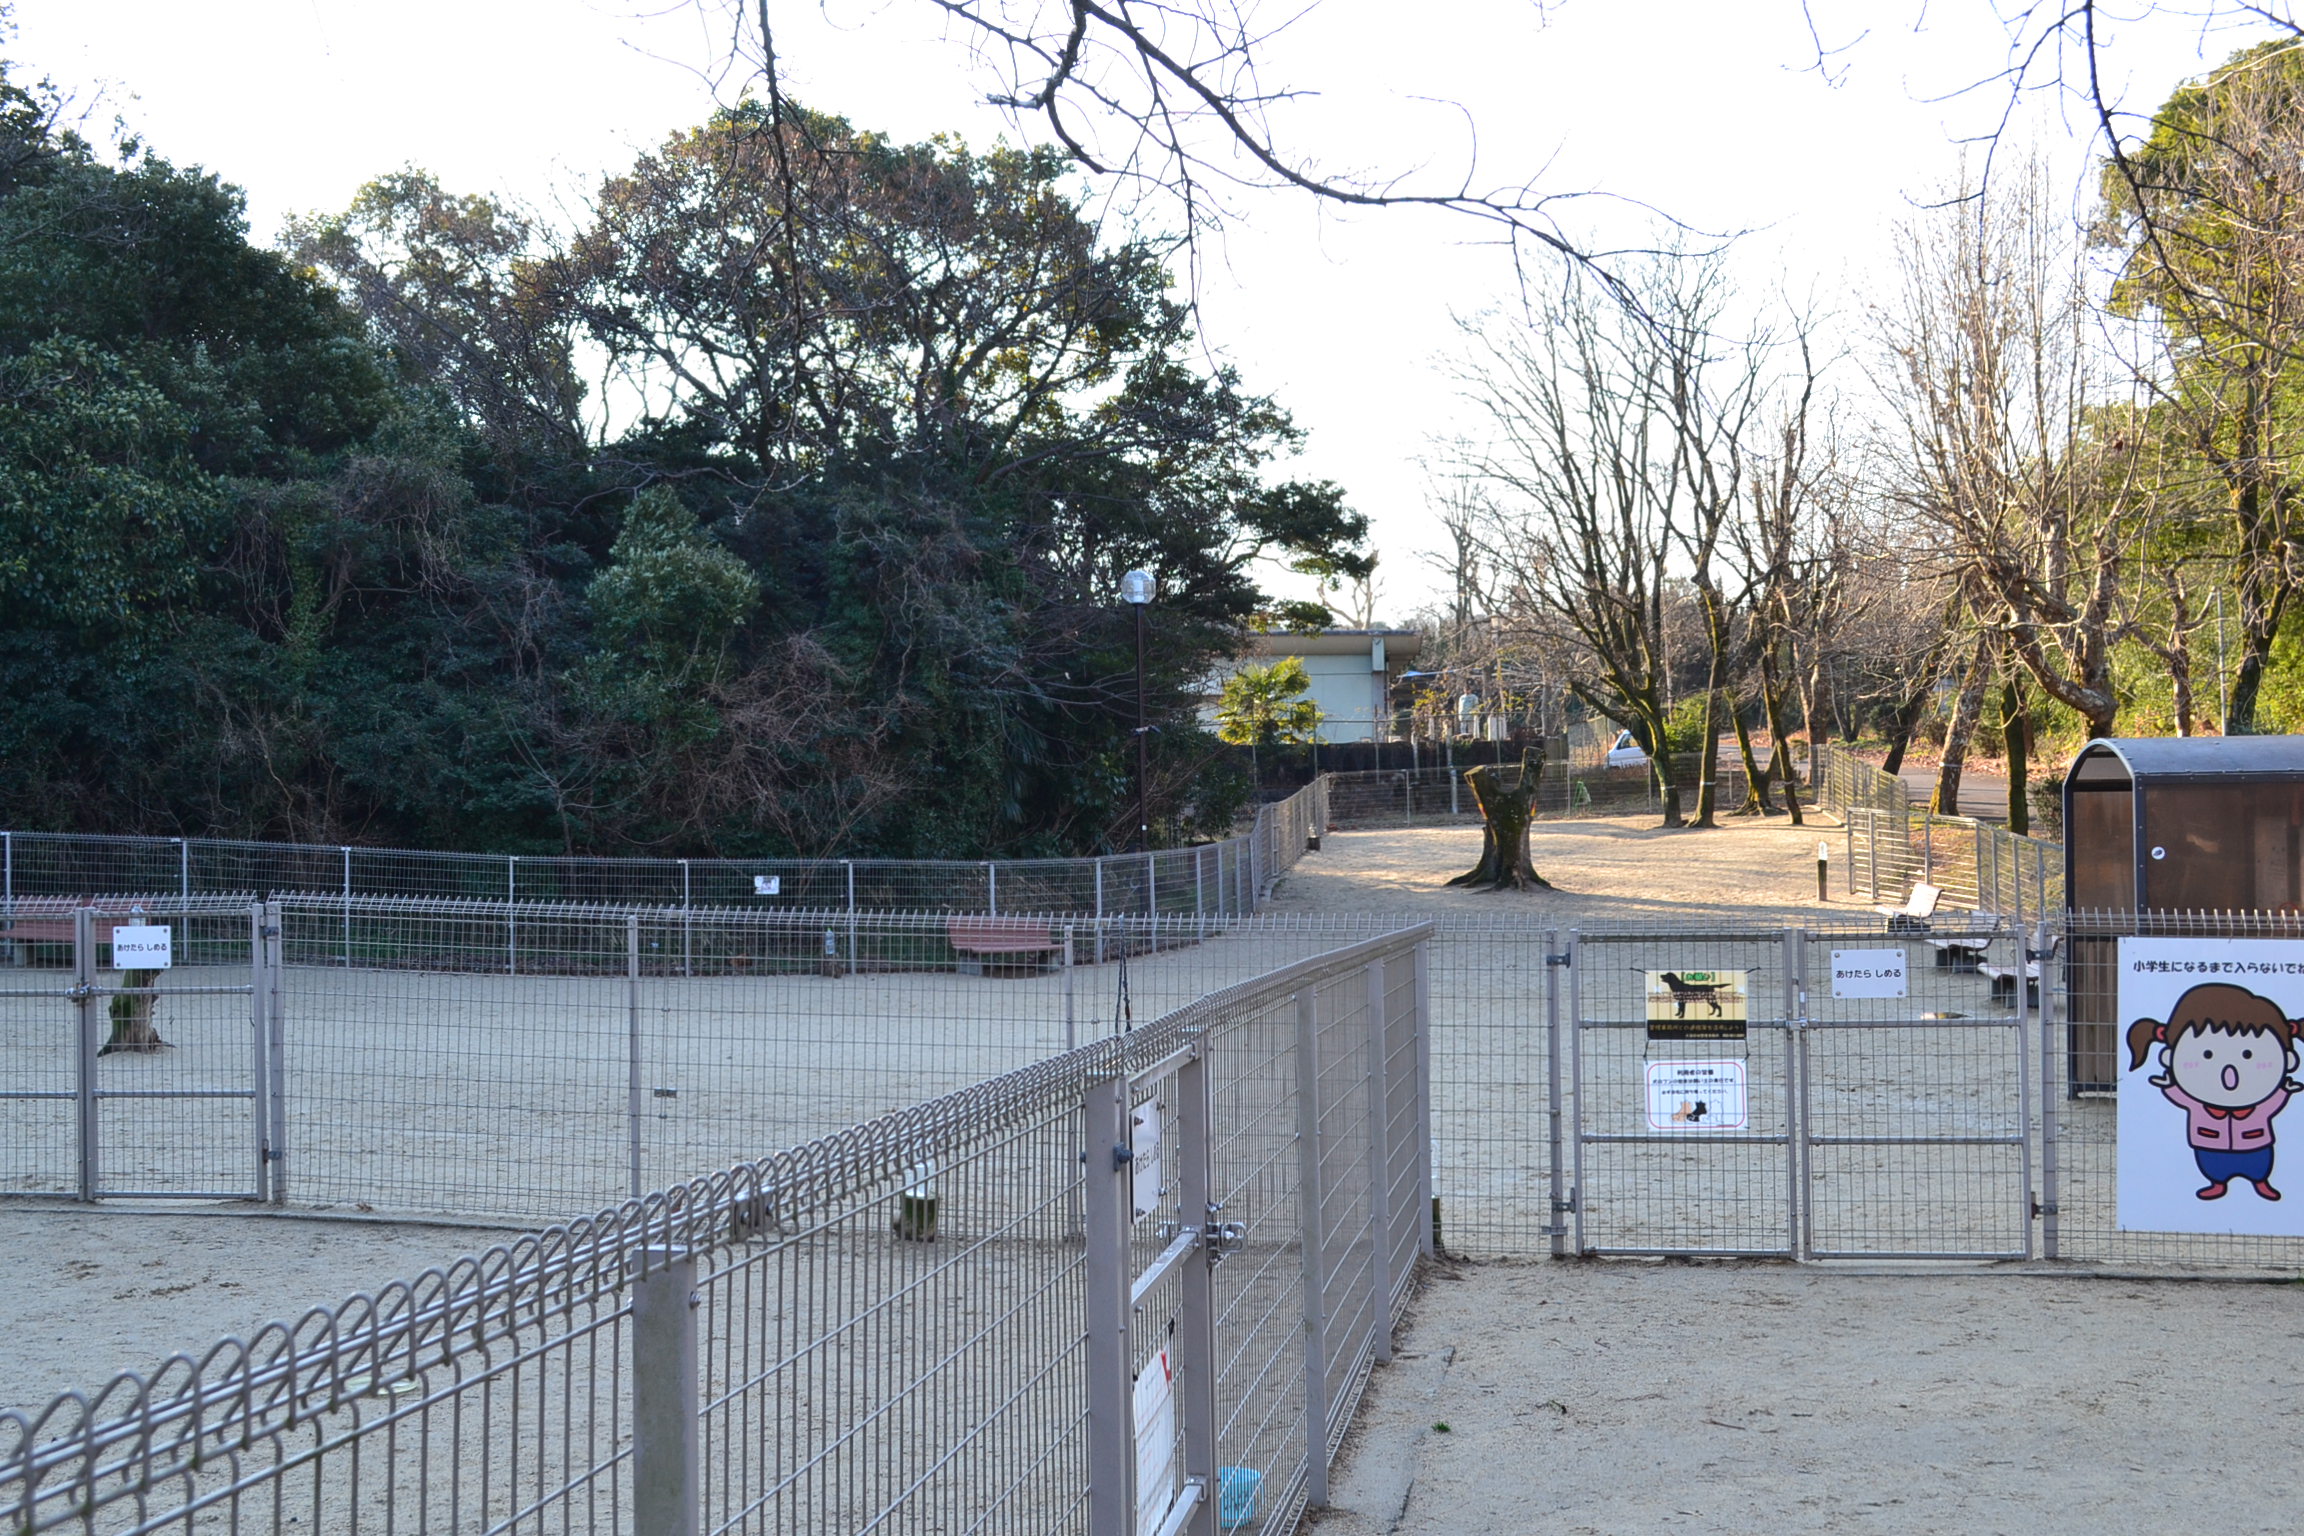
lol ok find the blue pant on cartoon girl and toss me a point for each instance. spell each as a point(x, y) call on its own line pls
point(2221, 1168)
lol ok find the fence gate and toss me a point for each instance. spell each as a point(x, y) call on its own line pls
point(1683, 1062)
point(1915, 1108)
point(133, 1050)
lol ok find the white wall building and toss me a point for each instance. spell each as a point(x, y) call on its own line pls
point(1352, 672)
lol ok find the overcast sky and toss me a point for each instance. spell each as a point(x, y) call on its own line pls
point(1708, 111)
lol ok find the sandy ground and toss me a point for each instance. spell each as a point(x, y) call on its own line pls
point(1617, 870)
point(1606, 1398)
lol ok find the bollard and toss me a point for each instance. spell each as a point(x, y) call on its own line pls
point(1823, 870)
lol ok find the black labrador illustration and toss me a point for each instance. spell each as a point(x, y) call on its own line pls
point(1685, 992)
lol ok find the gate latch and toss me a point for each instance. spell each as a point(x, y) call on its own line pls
point(80, 992)
point(1557, 959)
point(1222, 1239)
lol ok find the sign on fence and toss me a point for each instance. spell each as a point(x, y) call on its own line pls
point(2207, 1041)
point(1697, 1005)
point(1696, 1095)
point(142, 947)
point(1870, 973)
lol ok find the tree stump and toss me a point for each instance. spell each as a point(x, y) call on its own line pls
point(1505, 816)
point(132, 1026)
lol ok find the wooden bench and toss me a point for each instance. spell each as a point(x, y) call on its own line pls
point(981, 942)
point(48, 920)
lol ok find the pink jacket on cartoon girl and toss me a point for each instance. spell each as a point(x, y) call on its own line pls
point(2227, 1130)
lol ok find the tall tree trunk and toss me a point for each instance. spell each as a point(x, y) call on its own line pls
point(1965, 713)
point(2016, 730)
point(1756, 801)
point(1506, 813)
point(1772, 704)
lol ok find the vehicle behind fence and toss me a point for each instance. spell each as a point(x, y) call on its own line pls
point(1137, 1286)
point(1219, 879)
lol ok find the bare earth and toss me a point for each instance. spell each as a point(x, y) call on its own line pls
point(1602, 871)
point(1731, 1398)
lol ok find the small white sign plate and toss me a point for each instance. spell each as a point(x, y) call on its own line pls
point(1144, 1170)
point(1696, 1095)
point(1870, 973)
point(142, 948)
point(767, 885)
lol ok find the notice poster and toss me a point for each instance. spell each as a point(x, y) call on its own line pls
point(142, 948)
point(767, 885)
point(1697, 1005)
point(2207, 1043)
point(1871, 973)
point(1696, 1096)
point(1155, 1405)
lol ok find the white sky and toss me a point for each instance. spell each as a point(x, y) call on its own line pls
point(1699, 108)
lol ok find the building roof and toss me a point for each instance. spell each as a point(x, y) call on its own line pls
point(2175, 759)
point(1399, 644)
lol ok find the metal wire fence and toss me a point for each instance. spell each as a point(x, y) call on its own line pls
point(1137, 1286)
point(1888, 846)
point(1217, 879)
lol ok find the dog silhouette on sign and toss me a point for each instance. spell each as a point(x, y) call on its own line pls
point(1686, 992)
point(1691, 1112)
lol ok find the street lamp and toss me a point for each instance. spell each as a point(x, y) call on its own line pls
point(1139, 588)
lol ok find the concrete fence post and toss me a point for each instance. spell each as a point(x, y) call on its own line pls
point(667, 1439)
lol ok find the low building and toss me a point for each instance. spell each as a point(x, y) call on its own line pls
point(1353, 673)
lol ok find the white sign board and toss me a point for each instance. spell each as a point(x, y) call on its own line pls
point(2207, 1048)
point(141, 948)
point(1144, 1169)
point(1155, 1404)
point(767, 885)
point(1870, 973)
point(1696, 1095)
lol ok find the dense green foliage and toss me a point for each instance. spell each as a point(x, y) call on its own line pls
point(334, 543)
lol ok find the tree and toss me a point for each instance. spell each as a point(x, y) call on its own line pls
point(1507, 812)
point(1265, 706)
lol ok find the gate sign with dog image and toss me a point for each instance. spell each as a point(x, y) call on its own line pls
point(2208, 1051)
point(1697, 1005)
point(1696, 1095)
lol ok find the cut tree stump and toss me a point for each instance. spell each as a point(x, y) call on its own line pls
point(1506, 812)
point(132, 1026)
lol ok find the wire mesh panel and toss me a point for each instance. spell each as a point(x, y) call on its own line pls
point(1915, 1107)
point(1683, 1145)
point(883, 1329)
point(39, 1056)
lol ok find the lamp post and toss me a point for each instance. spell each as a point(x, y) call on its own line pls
point(1139, 588)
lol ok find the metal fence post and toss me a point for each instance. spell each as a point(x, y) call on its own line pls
point(632, 1107)
point(1315, 1279)
point(1928, 846)
point(1575, 1022)
point(183, 871)
point(1111, 1409)
point(687, 924)
point(1200, 889)
point(276, 1022)
point(1379, 1079)
point(347, 909)
point(260, 1033)
point(511, 915)
point(1071, 1027)
point(1427, 1207)
point(848, 867)
point(667, 1438)
point(1151, 884)
point(1099, 911)
point(2050, 1121)
point(1795, 1089)
point(991, 886)
point(1196, 1359)
point(1554, 959)
point(84, 1018)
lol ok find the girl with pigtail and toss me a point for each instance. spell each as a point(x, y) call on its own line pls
point(2227, 1058)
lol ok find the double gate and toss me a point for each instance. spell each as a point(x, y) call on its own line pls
point(1824, 1122)
point(136, 1043)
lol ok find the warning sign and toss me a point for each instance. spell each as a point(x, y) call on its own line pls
point(142, 947)
point(1697, 1005)
point(1870, 973)
point(1696, 1095)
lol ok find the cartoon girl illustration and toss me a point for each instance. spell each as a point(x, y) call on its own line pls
point(2226, 1059)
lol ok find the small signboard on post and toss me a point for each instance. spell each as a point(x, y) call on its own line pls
point(142, 947)
point(1697, 1005)
point(1696, 1095)
point(1871, 973)
point(767, 885)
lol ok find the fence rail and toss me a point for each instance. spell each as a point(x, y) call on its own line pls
point(971, 1314)
point(1889, 846)
point(1228, 877)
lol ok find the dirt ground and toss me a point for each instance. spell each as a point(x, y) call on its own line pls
point(1616, 1397)
point(1606, 870)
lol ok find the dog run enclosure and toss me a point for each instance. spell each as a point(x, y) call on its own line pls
point(1136, 1287)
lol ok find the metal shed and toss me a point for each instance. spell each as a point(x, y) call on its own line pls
point(2186, 824)
point(2182, 824)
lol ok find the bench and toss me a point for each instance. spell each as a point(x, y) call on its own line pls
point(1912, 917)
point(984, 941)
point(47, 920)
point(2003, 979)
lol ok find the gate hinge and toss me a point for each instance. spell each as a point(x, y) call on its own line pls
point(1222, 1239)
point(1567, 1206)
point(2039, 1210)
point(1558, 959)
